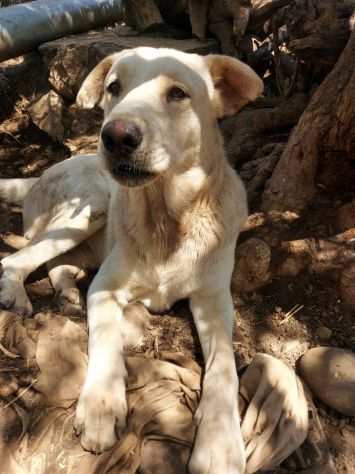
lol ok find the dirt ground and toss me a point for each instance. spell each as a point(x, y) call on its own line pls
point(265, 321)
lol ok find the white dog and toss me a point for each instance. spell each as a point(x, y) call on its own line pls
point(174, 210)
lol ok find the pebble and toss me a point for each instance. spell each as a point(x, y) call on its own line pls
point(342, 423)
point(347, 285)
point(324, 333)
point(330, 374)
point(346, 216)
point(252, 261)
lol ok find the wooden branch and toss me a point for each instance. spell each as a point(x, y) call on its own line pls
point(322, 46)
point(263, 11)
point(255, 172)
point(257, 263)
point(247, 131)
point(321, 255)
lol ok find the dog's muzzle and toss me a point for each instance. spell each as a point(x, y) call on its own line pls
point(121, 139)
point(129, 171)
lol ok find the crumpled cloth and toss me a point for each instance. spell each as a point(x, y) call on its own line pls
point(162, 394)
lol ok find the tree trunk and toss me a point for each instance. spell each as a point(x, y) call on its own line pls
point(325, 131)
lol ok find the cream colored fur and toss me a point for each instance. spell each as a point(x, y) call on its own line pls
point(169, 239)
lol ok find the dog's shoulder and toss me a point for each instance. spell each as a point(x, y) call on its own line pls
point(234, 199)
point(215, 219)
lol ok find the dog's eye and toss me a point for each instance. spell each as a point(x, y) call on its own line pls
point(176, 93)
point(114, 88)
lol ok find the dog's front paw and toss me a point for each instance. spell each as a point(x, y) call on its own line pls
point(218, 447)
point(101, 415)
point(70, 302)
point(13, 296)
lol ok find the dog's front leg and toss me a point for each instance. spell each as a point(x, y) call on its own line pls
point(218, 446)
point(101, 410)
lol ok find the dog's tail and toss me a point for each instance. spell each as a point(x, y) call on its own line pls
point(14, 191)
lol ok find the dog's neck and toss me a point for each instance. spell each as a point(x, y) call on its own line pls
point(201, 175)
point(161, 212)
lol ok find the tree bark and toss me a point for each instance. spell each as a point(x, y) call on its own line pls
point(142, 13)
point(325, 130)
point(251, 128)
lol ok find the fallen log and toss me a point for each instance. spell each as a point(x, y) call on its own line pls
point(25, 26)
point(319, 255)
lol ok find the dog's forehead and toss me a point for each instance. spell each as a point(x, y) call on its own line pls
point(148, 63)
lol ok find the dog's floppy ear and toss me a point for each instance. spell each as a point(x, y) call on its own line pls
point(235, 83)
point(92, 89)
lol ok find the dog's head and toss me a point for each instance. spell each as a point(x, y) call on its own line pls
point(161, 108)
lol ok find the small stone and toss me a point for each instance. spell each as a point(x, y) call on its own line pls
point(252, 262)
point(334, 422)
point(294, 346)
point(238, 301)
point(290, 267)
point(255, 298)
point(343, 423)
point(8, 385)
point(346, 216)
point(330, 374)
point(324, 333)
point(347, 285)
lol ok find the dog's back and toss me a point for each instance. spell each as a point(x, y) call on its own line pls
point(14, 191)
point(62, 191)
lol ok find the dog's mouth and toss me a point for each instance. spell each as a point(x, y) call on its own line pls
point(130, 174)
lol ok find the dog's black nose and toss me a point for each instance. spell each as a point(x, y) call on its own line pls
point(121, 137)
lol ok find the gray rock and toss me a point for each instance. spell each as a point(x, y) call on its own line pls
point(330, 374)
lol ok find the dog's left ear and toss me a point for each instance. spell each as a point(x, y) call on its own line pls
point(92, 89)
point(235, 83)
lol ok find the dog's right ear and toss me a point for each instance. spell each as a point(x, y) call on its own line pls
point(235, 83)
point(92, 89)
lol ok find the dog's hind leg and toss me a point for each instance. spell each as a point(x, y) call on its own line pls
point(65, 270)
point(63, 277)
point(60, 236)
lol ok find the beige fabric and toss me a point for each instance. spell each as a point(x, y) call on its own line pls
point(275, 418)
point(162, 397)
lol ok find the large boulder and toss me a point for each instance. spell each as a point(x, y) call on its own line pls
point(330, 374)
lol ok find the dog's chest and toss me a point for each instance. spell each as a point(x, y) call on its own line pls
point(171, 258)
point(162, 285)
